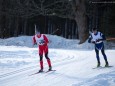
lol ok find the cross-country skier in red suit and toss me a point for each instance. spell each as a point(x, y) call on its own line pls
point(42, 41)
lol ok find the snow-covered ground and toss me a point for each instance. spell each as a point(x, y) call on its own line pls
point(73, 64)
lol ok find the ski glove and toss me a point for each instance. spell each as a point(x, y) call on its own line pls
point(93, 42)
point(35, 44)
point(98, 40)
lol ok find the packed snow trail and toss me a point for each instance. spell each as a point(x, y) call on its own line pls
point(73, 68)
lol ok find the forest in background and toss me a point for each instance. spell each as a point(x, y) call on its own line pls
point(71, 19)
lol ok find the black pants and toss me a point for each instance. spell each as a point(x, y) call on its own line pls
point(102, 51)
point(46, 56)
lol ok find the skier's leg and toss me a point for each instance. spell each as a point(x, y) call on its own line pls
point(48, 59)
point(41, 58)
point(41, 62)
point(105, 57)
point(97, 56)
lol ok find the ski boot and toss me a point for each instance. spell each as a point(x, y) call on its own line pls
point(106, 65)
point(50, 68)
point(41, 70)
point(98, 65)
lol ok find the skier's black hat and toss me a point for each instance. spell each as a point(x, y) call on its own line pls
point(94, 29)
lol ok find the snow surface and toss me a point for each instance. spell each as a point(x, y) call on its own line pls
point(73, 64)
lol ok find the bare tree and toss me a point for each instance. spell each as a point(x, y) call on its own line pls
point(79, 10)
point(22, 10)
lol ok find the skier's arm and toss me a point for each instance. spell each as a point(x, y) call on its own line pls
point(34, 40)
point(46, 41)
point(102, 39)
point(89, 39)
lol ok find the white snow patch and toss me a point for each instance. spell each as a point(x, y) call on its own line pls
point(73, 64)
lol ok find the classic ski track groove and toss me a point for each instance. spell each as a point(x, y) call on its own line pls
point(36, 66)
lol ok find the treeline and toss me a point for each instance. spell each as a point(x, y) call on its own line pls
point(68, 18)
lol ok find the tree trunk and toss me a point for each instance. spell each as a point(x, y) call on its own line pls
point(25, 26)
point(81, 20)
point(0, 28)
point(65, 29)
point(9, 26)
point(49, 26)
point(73, 30)
point(0, 20)
point(16, 32)
point(82, 28)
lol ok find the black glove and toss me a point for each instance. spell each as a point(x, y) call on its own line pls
point(98, 40)
point(93, 42)
point(35, 43)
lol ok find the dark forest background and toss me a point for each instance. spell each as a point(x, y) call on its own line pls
point(71, 19)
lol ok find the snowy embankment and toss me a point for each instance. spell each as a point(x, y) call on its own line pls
point(73, 64)
point(54, 42)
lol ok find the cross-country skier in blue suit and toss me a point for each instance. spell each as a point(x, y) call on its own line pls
point(97, 38)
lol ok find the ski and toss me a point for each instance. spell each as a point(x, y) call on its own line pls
point(42, 72)
point(36, 73)
point(97, 67)
point(100, 67)
point(107, 67)
point(50, 71)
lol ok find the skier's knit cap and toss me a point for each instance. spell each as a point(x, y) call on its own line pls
point(37, 31)
point(94, 29)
